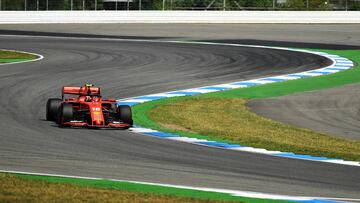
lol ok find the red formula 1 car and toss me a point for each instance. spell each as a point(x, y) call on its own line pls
point(87, 110)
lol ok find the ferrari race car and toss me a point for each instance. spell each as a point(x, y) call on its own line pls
point(87, 110)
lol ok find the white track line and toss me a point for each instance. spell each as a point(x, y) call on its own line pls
point(205, 189)
point(142, 130)
point(40, 57)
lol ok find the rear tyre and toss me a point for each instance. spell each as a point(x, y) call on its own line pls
point(52, 106)
point(125, 115)
point(66, 113)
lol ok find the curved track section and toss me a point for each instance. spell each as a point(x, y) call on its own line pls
point(126, 69)
point(334, 111)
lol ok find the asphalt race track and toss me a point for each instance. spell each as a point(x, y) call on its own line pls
point(125, 69)
point(333, 111)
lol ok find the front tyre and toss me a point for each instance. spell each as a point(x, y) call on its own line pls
point(124, 114)
point(52, 106)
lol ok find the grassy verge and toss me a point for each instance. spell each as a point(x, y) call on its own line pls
point(252, 130)
point(30, 188)
point(13, 56)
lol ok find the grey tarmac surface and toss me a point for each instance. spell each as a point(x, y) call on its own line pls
point(29, 143)
point(340, 34)
point(333, 111)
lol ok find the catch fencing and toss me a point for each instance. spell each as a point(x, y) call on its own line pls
point(224, 5)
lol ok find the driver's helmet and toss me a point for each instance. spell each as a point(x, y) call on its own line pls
point(87, 87)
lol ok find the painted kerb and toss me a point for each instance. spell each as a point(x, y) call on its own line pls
point(339, 64)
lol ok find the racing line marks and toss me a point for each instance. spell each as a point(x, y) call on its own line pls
point(339, 64)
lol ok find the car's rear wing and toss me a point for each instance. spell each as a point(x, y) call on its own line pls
point(81, 91)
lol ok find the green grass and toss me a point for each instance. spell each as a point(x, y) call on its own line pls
point(229, 119)
point(13, 56)
point(33, 188)
point(146, 116)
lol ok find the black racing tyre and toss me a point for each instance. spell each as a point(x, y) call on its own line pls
point(124, 114)
point(52, 106)
point(66, 113)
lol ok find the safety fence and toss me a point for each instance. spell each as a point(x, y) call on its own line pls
point(34, 5)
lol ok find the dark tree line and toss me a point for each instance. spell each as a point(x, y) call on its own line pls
point(49, 4)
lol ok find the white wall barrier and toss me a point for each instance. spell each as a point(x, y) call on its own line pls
point(17, 17)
